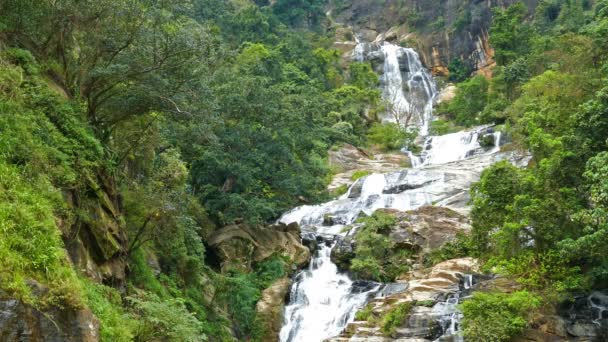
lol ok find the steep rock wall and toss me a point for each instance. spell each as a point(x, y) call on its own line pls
point(440, 31)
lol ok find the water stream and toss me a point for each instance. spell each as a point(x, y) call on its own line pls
point(323, 300)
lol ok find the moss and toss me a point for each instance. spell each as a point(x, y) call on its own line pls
point(359, 174)
point(339, 191)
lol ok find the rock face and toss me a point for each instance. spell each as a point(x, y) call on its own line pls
point(238, 246)
point(428, 227)
point(20, 322)
point(440, 31)
point(270, 308)
point(426, 290)
point(97, 241)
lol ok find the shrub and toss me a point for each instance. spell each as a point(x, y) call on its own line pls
point(359, 174)
point(106, 304)
point(497, 316)
point(389, 136)
point(164, 320)
point(394, 318)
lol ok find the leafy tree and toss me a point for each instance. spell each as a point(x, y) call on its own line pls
point(510, 36)
point(471, 99)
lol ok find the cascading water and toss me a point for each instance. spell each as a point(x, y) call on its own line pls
point(323, 300)
point(406, 84)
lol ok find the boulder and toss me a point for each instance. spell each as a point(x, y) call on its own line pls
point(427, 228)
point(270, 308)
point(238, 246)
point(20, 322)
point(426, 289)
point(446, 94)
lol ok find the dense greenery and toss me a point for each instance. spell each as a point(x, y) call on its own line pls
point(182, 116)
point(376, 256)
point(497, 316)
point(544, 224)
point(185, 115)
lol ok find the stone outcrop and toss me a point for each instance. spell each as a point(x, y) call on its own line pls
point(239, 246)
point(420, 231)
point(270, 308)
point(425, 290)
point(96, 241)
point(20, 322)
point(428, 227)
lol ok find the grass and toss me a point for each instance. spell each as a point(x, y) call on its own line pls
point(359, 174)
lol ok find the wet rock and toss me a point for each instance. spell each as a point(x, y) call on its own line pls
point(20, 322)
point(270, 307)
point(427, 227)
point(399, 182)
point(487, 141)
point(343, 252)
point(355, 189)
point(582, 329)
point(238, 246)
point(349, 159)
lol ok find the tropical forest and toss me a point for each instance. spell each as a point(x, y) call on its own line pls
point(303, 170)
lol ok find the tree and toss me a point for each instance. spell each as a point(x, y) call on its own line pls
point(509, 35)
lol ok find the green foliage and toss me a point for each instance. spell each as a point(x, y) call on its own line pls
point(389, 136)
point(30, 244)
point(460, 247)
point(394, 318)
point(166, 320)
point(306, 13)
point(341, 190)
point(497, 316)
point(510, 35)
point(359, 174)
point(459, 71)
point(470, 100)
point(441, 127)
point(365, 314)
point(240, 293)
point(376, 257)
point(105, 302)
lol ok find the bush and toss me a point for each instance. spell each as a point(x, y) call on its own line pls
point(389, 136)
point(164, 320)
point(497, 316)
point(395, 318)
point(470, 100)
point(30, 242)
point(359, 174)
point(376, 257)
point(106, 304)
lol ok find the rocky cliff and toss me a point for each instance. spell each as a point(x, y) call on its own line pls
point(441, 31)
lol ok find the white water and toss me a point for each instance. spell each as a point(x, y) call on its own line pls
point(410, 92)
point(406, 84)
point(323, 300)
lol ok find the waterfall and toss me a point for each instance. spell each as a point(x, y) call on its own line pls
point(322, 299)
point(408, 87)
